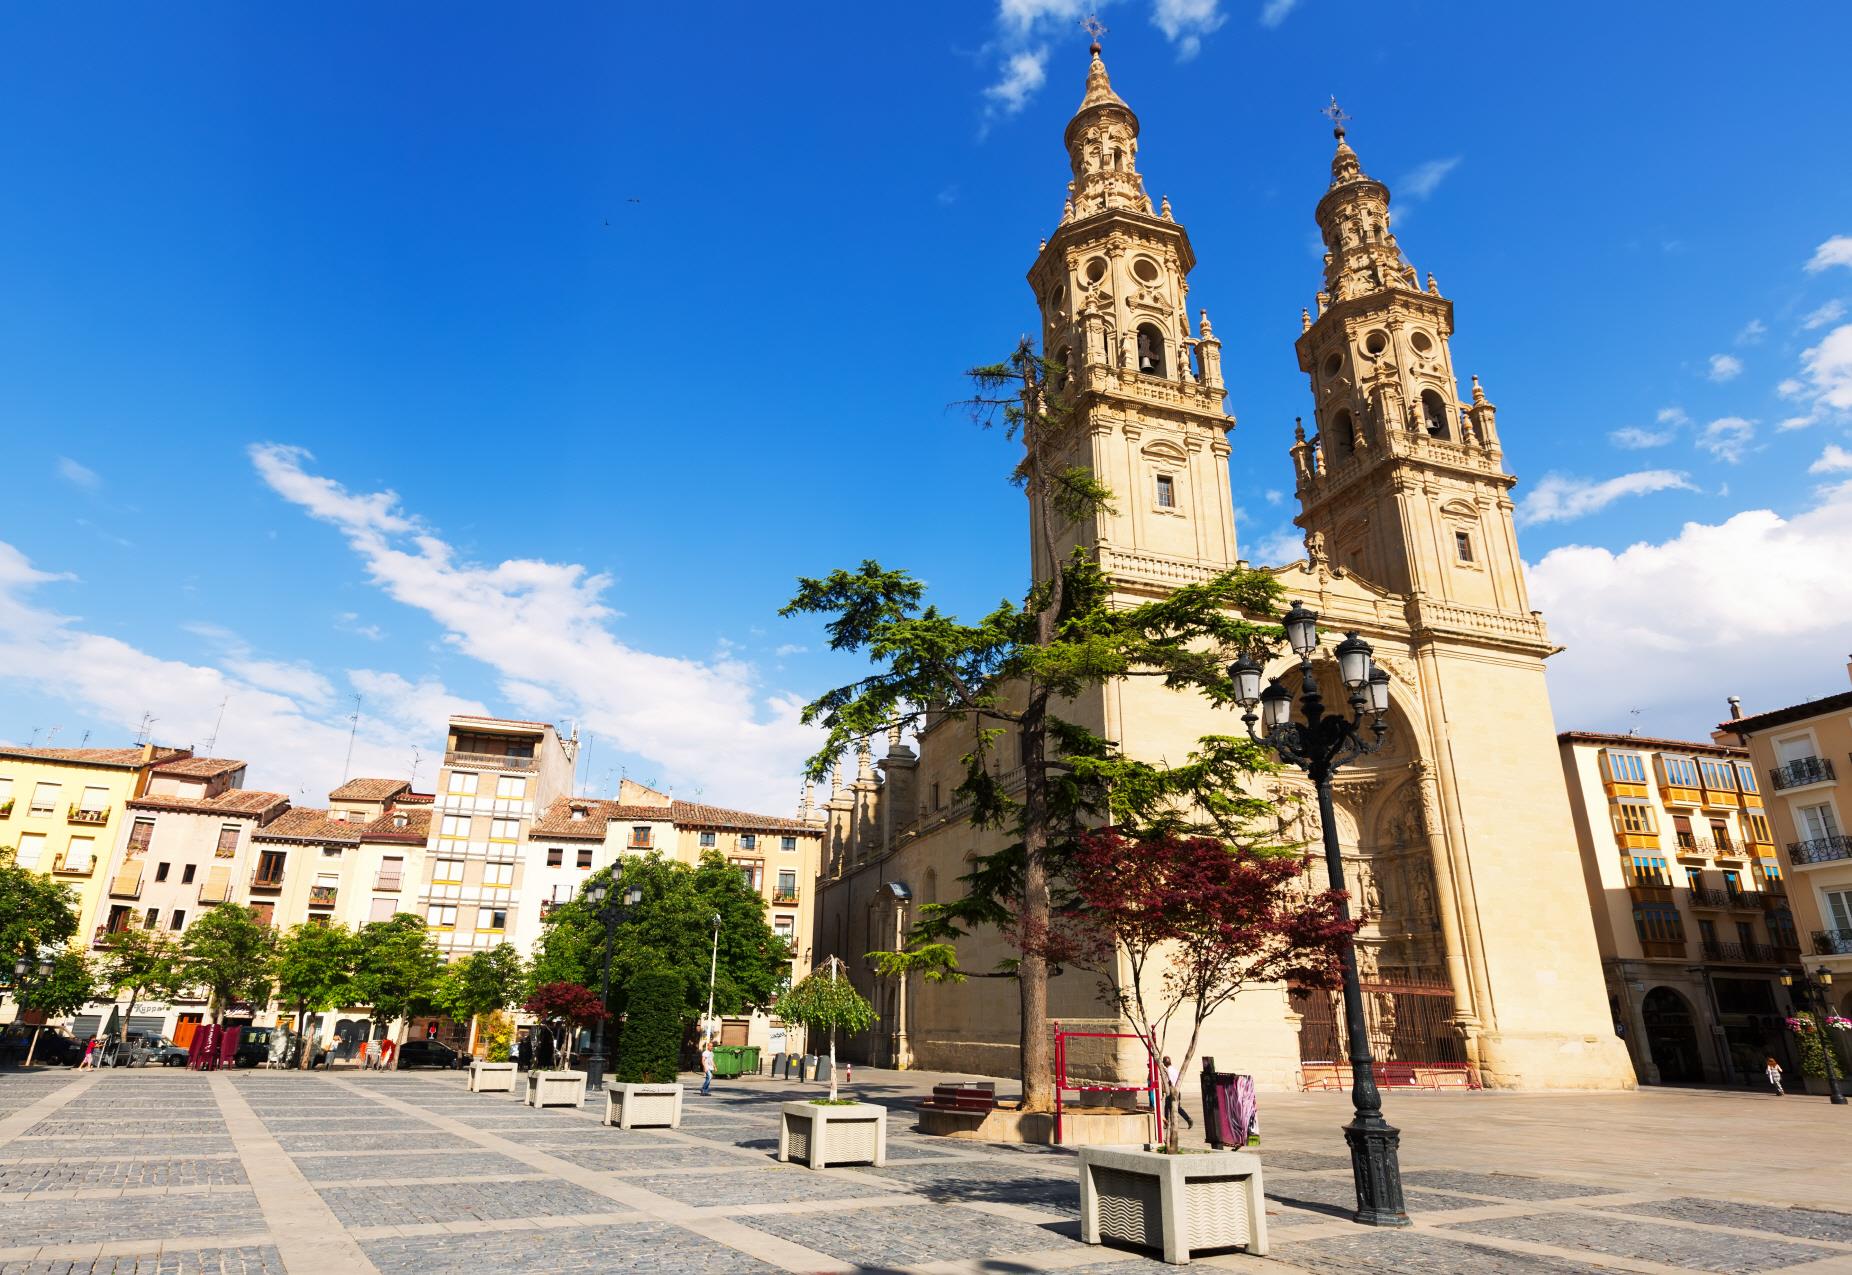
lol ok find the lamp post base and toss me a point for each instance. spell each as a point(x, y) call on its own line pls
point(1373, 1143)
point(594, 1078)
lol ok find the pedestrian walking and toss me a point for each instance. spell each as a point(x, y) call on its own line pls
point(88, 1062)
point(707, 1066)
point(1173, 1072)
point(1773, 1071)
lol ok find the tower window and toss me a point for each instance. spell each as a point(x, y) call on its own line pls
point(1166, 492)
point(1434, 415)
point(1463, 545)
point(1343, 434)
point(1150, 351)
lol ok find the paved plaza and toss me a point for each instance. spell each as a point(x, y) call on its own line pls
point(259, 1173)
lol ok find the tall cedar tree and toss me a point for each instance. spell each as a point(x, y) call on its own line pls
point(231, 954)
point(397, 968)
point(138, 963)
point(315, 972)
point(650, 1050)
point(1006, 677)
point(1195, 920)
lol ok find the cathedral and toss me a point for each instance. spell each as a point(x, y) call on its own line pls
point(1477, 952)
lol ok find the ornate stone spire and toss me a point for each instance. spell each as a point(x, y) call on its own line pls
point(1361, 254)
point(1102, 147)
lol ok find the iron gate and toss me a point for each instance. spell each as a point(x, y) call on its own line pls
point(1412, 1036)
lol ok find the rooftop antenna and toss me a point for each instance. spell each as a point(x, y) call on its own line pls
point(53, 735)
point(414, 783)
point(146, 729)
point(1635, 728)
point(585, 761)
point(84, 740)
point(33, 741)
point(348, 766)
point(213, 739)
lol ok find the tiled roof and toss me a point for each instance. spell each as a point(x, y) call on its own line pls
point(305, 823)
point(239, 802)
point(409, 798)
point(692, 814)
point(115, 758)
point(417, 826)
point(368, 790)
point(1786, 716)
point(1650, 744)
point(199, 767)
point(558, 822)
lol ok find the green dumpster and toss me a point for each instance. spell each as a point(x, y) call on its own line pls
point(749, 1060)
point(727, 1062)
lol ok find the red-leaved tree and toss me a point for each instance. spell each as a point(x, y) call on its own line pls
point(561, 1007)
point(1176, 926)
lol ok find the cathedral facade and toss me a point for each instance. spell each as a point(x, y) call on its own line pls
point(1477, 946)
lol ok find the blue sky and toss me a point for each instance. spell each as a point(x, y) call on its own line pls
point(451, 356)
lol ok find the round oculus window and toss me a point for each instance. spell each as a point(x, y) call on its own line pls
point(1096, 270)
point(1375, 343)
point(1421, 342)
point(1333, 363)
point(1145, 270)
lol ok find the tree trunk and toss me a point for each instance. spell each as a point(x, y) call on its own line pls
point(305, 1051)
point(1037, 1051)
point(832, 1064)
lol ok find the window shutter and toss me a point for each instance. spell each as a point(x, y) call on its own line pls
point(218, 885)
point(128, 880)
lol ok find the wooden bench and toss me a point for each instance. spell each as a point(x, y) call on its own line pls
point(978, 1099)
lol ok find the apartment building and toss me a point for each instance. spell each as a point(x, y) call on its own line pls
point(61, 811)
point(1802, 749)
point(1690, 902)
point(579, 835)
point(498, 774)
point(345, 863)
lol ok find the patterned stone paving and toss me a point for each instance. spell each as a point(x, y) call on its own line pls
point(173, 1173)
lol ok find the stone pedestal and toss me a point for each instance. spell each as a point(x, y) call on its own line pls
point(1178, 1204)
point(556, 1089)
point(820, 1136)
point(638, 1106)
point(491, 1077)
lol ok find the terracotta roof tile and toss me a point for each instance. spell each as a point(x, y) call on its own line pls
point(385, 828)
point(305, 823)
point(1787, 716)
point(1649, 744)
point(368, 790)
point(238, 802)
point(693, 814)
point(199, 767)
point(557, 821)
point(111, 757)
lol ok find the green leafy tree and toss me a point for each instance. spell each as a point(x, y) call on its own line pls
point(825, 1000)
point(497, 1036)
point(1033, 778)
point(69, 987)
point(669, 929)
point(650, 1051)
point(231, 954)
point(481, 983)
point(141, 962)
point(315, 972)
point(562, 1008)
point(36, 912)
point(397, 967)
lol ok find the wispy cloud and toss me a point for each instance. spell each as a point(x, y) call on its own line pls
point(1024, 72)
point(1727, 438)
point(1632, 438)
point(1752, 332)
point(1831, 312)
point(1825, 383)
point(1423, 180)
point(78, 475)
point(1561, 498)
point(1836, 251)
point(1185, 23)
point(1274, 12)
point(1834, 460)
point(1027, 31)
point(1725, 367)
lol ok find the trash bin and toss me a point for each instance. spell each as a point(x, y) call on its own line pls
point(749, 1060)
point(806, 1066)
point(727, 1062)
point(778, 1062)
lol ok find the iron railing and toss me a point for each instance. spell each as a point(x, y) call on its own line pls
point(1752, 953)
point(1821, 849)
point(1800, 771)
point(1832, 942)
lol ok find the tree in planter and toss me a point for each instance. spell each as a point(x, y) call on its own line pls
point(396, 967)
point(562, 1008)
point(825, 1000)
point(497, 1036)
point(139, 962)
point(650, 1050)
point(481, 983)
point(1003, 680)
point(231, 954)
point(1176, 926)
point(315, 972)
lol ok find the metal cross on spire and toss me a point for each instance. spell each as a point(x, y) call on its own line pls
point(1092, 25)
point(1336, 115)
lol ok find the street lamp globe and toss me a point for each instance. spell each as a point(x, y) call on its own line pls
point(596, 894)
point(633, 896)
point(1787, 979)
point(1245, 674)
point(1301, 629)
point(1354, 662)
point(1276, 705)
point(22, 967)
point(1824, 975)
point(1379, 690)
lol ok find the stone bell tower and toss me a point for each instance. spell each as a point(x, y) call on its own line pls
point(1402, 482)
point(1112, 283)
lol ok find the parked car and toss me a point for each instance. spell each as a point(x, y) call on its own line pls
point(172, 1055)
point(56, 1047)
point(429, 1053)
point(145, 1049)
point(254, 1044)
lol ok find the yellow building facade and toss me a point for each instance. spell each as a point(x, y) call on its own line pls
point(1478, 950)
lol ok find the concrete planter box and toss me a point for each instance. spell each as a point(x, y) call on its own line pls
point(491, 1077)
point(1086, 1126)
point(556, 1089)
point(822, 1136)
point(636, 1106)
point(1176, 1203)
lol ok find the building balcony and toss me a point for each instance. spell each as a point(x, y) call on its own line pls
point(322, 896)
point(215, 891)
point(1821, 849)
point(1737, 900)
point(6, 809)
point(126, 887)
point(1686, 841)
point(785, 896)
point(93, 818)
point(1832, 942)
point(384, 882)
point(65, 866)
point(1751, 954)
point(103, 934)
point(1663, 949)
point(488, 761)
point(639, 843)
point(1728, 849)
point(1802, 771)
point(261, 880)
point(1641, 890)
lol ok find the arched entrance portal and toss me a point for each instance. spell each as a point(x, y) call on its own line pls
point(1672, 1036)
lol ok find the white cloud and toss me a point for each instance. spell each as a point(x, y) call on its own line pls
point(1752, 333)
point(790, 648)
point(546, 631)
point(1725, 367)
point(1274, 12)
point(1628, 649)
point(1023, 73)
point(1634, 439)
point(1834, 460)
point(349, 622)
point(1727, 438)
point(1836, 251)
point(78, 475)
point(1426, 178)
point(1828, 369)
point(1285, 544)
point(1274, 497)
point(1185, 23)
point(1023, 16)
point(1831, 312)
point(1674, 416)
point(1560, 498)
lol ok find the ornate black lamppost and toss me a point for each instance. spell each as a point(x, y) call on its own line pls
point(613, 914)
point(1813, 992)
point(1318, 745)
